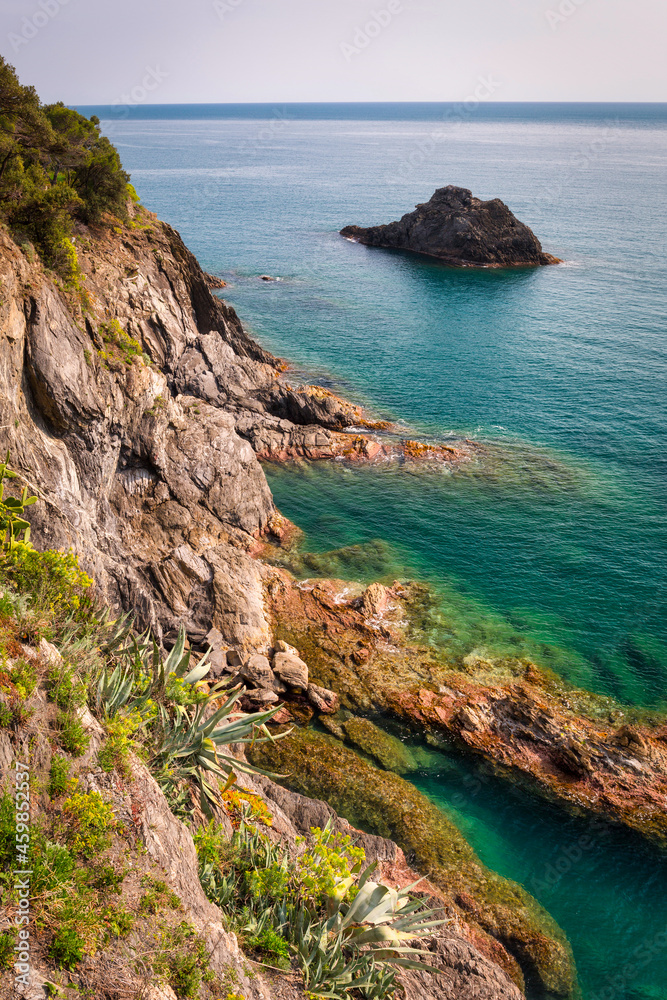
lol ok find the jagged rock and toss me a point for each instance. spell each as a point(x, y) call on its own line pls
point(323, 699)
point(213, 281)
point(460, 230)
point(374, 600)
point(291, 669)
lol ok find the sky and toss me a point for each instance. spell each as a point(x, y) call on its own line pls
point(218, 51)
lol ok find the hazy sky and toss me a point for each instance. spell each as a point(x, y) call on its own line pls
point(156, 51)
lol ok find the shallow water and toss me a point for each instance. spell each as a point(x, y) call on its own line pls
point(553, 543)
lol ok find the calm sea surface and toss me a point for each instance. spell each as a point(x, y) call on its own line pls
point(553, 545)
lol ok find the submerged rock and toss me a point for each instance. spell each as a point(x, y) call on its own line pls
point(324, 701)
point(387, 750)
point(460, 230)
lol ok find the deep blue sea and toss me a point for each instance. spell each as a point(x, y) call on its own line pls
point(554, 544)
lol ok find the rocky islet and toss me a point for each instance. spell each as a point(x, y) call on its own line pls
point(459, 230)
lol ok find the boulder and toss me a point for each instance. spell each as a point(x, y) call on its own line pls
point(258, 671)
point(218, 660)
point(325, 701)
point(261, 696)
point(460, 230)
point(292, 670)
point(234, 659)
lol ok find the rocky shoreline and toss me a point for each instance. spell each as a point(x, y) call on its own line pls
point(139, 413)
point(567, 745)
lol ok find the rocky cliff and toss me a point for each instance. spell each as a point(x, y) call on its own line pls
point(135, 405)
point(460, 230)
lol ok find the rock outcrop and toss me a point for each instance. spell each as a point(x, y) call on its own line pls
point(460, 230)
point(567, 745)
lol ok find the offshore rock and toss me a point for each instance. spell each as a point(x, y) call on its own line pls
point(460, 230)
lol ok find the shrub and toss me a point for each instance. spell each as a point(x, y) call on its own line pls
point(24, 678)
point(157, 897)
point(67, 948)
point(272, 945)
point(118, 921)
point(123, 347)
point(59, 779)
point(73, 737)
point(89, 823)
point(64, 687)
point(119, 744)
point(56, 167)
point(7, 942)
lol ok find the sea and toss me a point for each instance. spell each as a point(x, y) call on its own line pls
point(552, 545)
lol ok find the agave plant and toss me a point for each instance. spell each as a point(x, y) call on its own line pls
point(361, 943)
point(190, 746)
point(346, 947)
point(186, 741)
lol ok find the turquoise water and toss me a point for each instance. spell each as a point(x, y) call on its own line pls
point(551, 545)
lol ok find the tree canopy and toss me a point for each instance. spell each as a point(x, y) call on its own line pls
point(55, 167)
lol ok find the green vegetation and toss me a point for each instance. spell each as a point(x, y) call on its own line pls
point(90, 821)
point(59, 779)
point(7, 942)
point(56, 168)
point(72, 886)
point(346, 932)
point(318, 910)
point(181, 960)
point(185, 742)
point(120, 743)
point(158, 896)
point(72, 734)
point(122, 349)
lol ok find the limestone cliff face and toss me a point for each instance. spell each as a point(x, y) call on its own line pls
point(145, 463)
